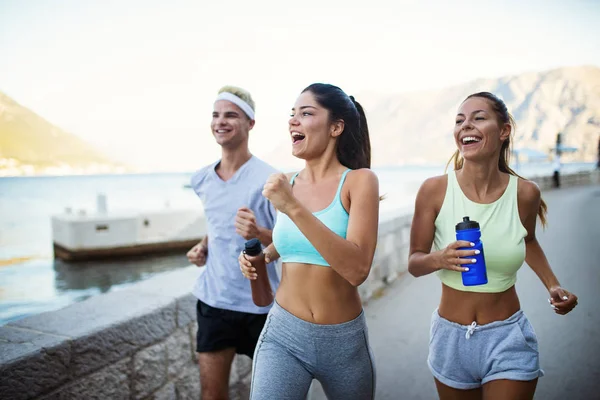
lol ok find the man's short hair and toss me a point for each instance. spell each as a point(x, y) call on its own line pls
point(239, 92)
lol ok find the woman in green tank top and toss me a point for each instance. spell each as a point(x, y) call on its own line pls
point(481, 341)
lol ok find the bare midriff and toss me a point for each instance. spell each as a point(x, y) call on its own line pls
point(483, 308)
point(317, 294)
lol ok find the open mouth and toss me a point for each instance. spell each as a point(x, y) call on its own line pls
point(467, 140)
point(222, 131)
point(297, 137)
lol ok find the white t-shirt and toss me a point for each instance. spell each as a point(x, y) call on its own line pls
point(222, 284)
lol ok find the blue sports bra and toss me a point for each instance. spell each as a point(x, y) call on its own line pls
point(293, 246)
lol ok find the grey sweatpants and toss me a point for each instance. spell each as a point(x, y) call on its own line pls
point(292, 352)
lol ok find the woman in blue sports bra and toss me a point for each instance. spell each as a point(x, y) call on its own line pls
point(325, 234)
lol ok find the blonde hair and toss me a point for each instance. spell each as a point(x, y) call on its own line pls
point(504, 117)
point(239, 92)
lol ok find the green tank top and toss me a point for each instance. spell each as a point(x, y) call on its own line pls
point(502, 233)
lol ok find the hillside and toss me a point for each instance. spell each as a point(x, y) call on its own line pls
point(416, 128)
point(31, 145)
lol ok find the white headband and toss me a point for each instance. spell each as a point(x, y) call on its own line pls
point(238, 102)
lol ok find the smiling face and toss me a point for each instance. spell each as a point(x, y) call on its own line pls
point(477, 131)
point(230, 125)
point(311, 130)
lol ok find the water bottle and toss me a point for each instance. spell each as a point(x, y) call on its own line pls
point(469, 231)
point(262, 294)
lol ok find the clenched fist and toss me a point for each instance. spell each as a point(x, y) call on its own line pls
point(278, 191)
point(245, 224)
point(197, 255)
point(562, 300)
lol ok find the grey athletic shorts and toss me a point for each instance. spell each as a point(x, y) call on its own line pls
point(468, 356)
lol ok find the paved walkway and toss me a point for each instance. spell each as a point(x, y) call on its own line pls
point(569, 345)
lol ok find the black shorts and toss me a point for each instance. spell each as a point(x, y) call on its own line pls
point(219, 329)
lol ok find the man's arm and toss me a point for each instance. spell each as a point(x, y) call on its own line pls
point(197, 254)
point(265, 236)
point(246, 227)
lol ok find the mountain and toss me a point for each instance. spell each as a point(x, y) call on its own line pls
point(416, 128)
point(30, 145)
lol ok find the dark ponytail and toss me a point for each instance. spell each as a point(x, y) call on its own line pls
point(353, 146)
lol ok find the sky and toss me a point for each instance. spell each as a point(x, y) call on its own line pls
point(137, 79)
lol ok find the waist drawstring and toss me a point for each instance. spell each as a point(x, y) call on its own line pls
point(471, 330)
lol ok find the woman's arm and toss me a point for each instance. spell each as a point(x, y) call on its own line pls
point(271, 253)
point(529, 202)
point(351, 257)
point(427, 205)
point(422, 230)
point(246, 267)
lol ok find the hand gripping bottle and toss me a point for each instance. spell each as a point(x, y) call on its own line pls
point(476, 275)
point(262, 294)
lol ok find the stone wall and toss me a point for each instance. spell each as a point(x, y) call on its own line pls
point(136, 343)
point(139, 342)
point(576, 179)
